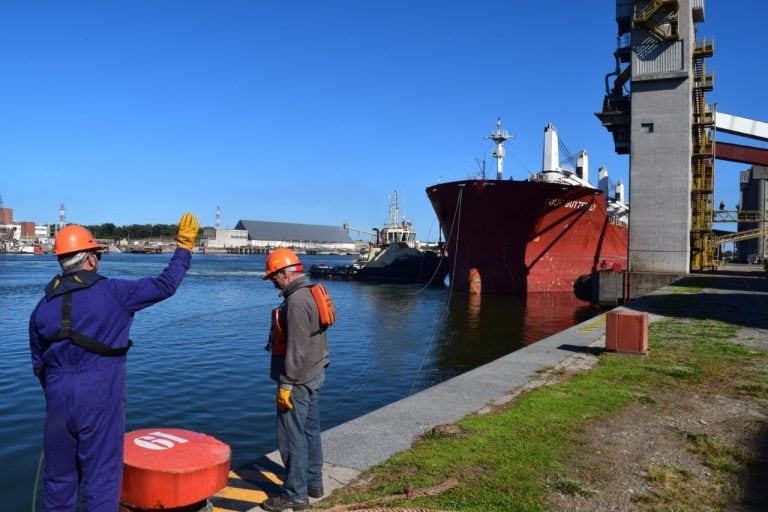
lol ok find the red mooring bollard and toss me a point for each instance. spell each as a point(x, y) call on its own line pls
point(172, 470)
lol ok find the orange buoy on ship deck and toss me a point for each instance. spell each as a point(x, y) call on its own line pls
point(475, 283)
point(169, 468)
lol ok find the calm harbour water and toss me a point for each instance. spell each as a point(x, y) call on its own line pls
point(198, 361)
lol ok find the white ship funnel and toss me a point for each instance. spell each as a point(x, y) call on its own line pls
point(602, 180)
point(582, 165)
point(550, 166)
point(620, 191)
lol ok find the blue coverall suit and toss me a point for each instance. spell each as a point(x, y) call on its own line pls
point(85, 392)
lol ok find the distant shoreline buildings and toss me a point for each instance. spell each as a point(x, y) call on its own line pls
point(15, 233)
point(248, 236)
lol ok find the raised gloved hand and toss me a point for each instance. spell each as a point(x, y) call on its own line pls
point(284, 399)
point(187, 231)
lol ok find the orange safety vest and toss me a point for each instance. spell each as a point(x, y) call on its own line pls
point(277, 338)
point(325, 308)
point(324, 305)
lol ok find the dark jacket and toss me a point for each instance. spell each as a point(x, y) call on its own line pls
point(306, 342)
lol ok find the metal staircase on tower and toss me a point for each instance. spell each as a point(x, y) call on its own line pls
point(660, 18)
point(703, 242)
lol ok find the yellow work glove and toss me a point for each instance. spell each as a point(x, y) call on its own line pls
point(187, 231)
point(284, 399)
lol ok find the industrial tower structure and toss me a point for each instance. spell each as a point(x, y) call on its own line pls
point(664, 122)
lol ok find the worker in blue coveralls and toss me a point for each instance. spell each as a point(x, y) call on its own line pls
point(299, 348)
point(78, 338)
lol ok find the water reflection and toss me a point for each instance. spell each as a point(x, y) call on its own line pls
point(479, 329)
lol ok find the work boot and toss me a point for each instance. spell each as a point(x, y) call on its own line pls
point(280, 503)
point(315, 492)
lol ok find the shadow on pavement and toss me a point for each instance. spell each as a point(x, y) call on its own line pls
point(739, 300)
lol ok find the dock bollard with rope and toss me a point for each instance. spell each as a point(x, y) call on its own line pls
point(168, 468)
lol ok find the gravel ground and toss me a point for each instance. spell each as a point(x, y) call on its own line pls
point(644, 458)
point(630, 462)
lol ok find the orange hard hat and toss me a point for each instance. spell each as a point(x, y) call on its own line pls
point(73, 239)
point(280, 259)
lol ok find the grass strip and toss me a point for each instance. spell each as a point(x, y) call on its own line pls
point(510, 460)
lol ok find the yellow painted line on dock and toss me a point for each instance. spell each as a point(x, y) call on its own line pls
point(245, 489)
point(594, 325)
point(235, 493)
point(272, 477)
point(256, 474)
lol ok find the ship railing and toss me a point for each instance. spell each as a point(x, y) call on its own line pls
point(563, 178)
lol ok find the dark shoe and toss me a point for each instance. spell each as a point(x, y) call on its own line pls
point(315, 492)
point(280, 503)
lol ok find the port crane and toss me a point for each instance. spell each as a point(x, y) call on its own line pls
point(348, 228)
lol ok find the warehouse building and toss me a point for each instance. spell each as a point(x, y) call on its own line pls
point(262, 236)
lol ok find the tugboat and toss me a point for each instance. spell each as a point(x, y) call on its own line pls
point(396, 257)
point(333, 271)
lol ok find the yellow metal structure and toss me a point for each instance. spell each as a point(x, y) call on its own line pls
point(703, 243)
point(660, 18)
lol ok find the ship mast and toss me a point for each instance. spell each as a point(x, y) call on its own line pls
point(394, 210)
point(499, 137)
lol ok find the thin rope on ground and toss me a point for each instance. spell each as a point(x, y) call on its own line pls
point(407, 495)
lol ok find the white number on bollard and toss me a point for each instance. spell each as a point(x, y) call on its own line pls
point(158, 441)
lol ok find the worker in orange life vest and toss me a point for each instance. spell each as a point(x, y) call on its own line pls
point(299, 347)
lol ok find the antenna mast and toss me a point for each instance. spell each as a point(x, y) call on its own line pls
point(394, 209)
point(62, 216)
point(499, 137)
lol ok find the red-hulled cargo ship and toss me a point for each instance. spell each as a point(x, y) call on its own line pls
point(535, 235)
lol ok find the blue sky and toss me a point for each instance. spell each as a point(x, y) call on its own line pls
point(312, 111)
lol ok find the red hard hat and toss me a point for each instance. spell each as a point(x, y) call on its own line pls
point(73, 239)
point(280, 259)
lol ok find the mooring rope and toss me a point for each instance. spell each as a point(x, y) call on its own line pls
point(407, 495)
point(444, 313)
